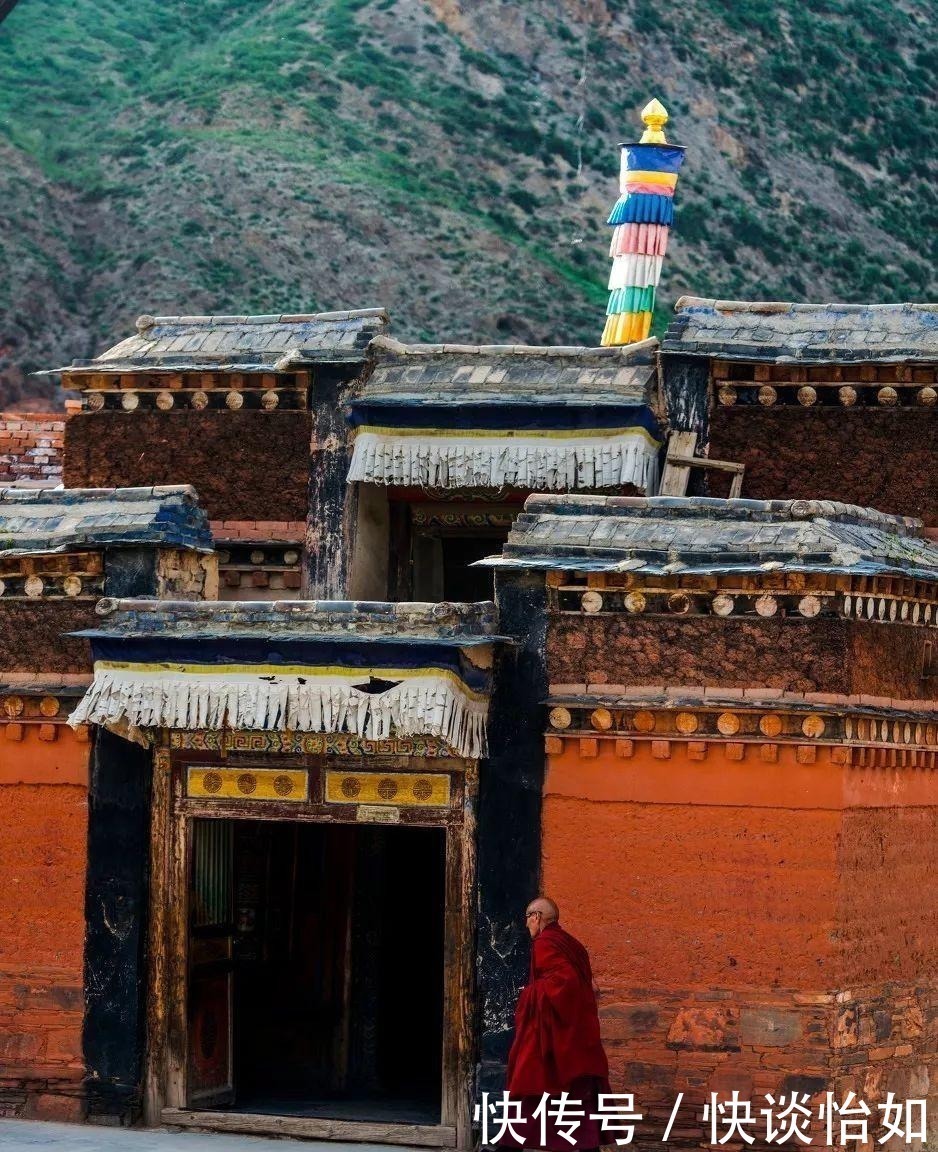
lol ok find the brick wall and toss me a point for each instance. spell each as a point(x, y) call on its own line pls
point(31, 448)
point(43, 829)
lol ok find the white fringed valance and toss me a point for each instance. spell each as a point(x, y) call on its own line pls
point(130, 700)
point(538, 463)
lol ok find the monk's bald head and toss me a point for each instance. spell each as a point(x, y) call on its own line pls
point(539, 913)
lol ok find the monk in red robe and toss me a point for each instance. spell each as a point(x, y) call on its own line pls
point(556, 1046)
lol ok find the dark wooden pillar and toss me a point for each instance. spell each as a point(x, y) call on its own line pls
point(511, 783)
point(116, 911)
point(331, 512)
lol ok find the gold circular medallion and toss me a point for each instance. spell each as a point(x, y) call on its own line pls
point(164, 401)
point(422, 790)
point(722, 604)
point(767, 395)
point(635, 602)
point(247, 783)
point(807, 395)
point(350, 787)
point(283, 785)
point(13, 705)
point(927, 397)
point(847, 396)
point(94, 401)
point(888, 397)
point(686, 722)
point(809, 606)
point(766, 605)
point(387, 788)
point(727, 396)
point(130, 401)
point(234, 400)
point(199, 400)
point(212, 782)
point(269, 401)
point(49, 706)
point(679, 603)
point(812, 726)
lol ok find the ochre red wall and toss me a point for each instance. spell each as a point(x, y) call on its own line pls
point(43, 830)
point(749, 928)
point(874, 458)
point(244, 465)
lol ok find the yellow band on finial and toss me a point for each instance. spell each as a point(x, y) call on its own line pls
point(654, 116)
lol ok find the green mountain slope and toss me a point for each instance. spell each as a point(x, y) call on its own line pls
point(451, 159)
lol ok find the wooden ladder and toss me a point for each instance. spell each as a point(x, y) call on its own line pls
point(681, 459)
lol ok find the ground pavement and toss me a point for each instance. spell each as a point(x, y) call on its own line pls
point(33, 1135)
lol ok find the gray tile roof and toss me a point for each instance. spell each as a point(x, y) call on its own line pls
point(458, 624)
point(807, 333)
point(241, 343)
point(686, 535)
point(509, 374)
point(40, 521)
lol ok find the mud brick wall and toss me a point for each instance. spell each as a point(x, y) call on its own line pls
point(873, 458)
point(244, 465)
point(43, 829)
point(32, 635)
point(837, 656)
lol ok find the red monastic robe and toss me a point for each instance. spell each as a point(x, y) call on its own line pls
point(557, 1045)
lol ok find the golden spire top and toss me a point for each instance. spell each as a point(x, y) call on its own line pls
point(654, 116)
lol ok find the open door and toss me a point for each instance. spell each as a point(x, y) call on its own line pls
point(211, 965)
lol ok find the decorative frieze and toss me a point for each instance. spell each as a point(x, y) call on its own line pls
point(444, 517)
point(42, 712)
point(247, 784)
point(310, 744)
point(72, 576)
point(168, 392)
point(401, 789)
point(256, 564)
point(828, 385)
point(777, 722)
point(774, 594)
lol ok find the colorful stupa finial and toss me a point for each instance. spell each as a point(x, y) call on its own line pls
point(642, 218)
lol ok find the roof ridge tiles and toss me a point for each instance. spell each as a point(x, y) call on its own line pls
point(147, 321)
point(389, 344)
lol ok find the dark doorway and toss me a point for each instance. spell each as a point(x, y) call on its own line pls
point(442, 567)
point(336, 969)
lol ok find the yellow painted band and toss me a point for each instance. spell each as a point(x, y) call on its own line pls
point(668, 179)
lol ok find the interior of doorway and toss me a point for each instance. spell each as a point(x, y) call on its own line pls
point(323, 946)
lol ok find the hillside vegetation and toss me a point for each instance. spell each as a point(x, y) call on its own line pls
point(451, 159)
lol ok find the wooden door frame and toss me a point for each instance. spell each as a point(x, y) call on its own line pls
point(166, 1052)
